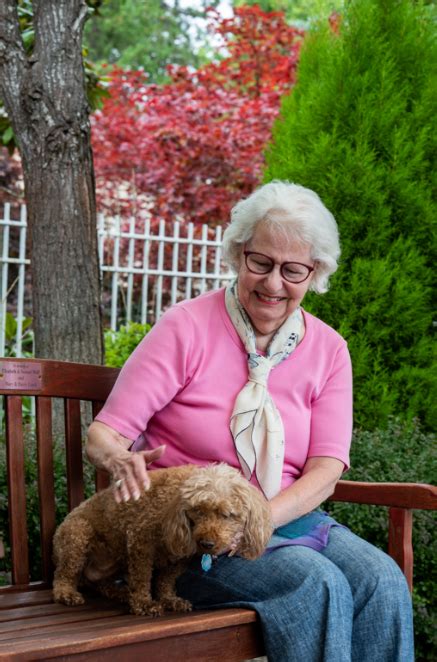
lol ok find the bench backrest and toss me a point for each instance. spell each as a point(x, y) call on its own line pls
point(46, 380)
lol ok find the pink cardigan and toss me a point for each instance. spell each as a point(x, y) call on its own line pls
point(179, 386)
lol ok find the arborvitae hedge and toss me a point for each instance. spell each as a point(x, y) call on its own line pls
point(359, 128)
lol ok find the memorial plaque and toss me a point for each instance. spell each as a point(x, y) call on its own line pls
point(20, 375)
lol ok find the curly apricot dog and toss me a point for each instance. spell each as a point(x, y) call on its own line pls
point(187, 510)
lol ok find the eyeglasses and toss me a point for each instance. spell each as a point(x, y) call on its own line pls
point(293, 272)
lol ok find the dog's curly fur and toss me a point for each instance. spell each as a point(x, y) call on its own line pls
point(187, 510)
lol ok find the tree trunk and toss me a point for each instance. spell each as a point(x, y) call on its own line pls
point(44, 95)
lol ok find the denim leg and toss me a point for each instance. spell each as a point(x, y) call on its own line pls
point(383, 621)
point(304, 601)
point(348, 603)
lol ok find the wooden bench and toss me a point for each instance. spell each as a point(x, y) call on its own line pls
point(33, 627)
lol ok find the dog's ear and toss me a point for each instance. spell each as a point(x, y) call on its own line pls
point(176, 530)
point(258, 528)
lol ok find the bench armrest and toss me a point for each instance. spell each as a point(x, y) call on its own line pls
point(395, 495)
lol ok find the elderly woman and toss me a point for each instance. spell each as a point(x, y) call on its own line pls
point(244, 375)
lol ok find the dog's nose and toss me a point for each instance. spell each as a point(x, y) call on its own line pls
point(206, 544)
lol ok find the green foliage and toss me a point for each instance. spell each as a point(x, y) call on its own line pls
point(144, 33)
point(404, 453)
point(359, 129)
point(11, 328)
point(32, 501)
point(120, 344)
point(95, 84)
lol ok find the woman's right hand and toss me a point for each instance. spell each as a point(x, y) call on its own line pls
point(107, 449)
point(129, 472)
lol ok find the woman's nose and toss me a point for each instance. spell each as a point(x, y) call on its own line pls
point(273, 280)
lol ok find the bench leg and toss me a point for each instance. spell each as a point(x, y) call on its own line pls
point(400, 542)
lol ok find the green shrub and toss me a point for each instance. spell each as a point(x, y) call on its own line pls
point(400, 453)
point(120, 344)
point(358, 128)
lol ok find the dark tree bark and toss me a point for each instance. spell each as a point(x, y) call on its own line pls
point(44, 96)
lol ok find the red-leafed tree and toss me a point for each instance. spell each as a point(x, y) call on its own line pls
point(189, 149)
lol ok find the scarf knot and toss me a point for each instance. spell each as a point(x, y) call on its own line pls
point(259, 368)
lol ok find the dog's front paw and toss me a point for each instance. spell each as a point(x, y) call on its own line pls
point(176, 604)
point(67, 595)
point(141, 607)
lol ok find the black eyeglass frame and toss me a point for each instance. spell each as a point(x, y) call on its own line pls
point(281, 267)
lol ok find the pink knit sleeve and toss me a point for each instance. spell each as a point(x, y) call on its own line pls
point(331, 412)
point(151, 377)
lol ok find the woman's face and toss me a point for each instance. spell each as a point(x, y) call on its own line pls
point(269, 299)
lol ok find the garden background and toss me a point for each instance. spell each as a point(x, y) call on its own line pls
point(192, 110)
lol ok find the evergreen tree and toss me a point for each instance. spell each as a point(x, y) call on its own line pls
point(359, 129)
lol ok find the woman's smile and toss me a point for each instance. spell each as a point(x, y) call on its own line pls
point(268, 300)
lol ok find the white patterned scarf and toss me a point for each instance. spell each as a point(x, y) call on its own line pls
point(256, 424)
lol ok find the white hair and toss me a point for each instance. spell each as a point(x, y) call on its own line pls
point(296, 211)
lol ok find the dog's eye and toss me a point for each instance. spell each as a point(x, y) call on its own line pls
point(194, 515)
point(230, 515)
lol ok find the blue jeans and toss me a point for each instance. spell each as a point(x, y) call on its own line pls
point(349, 602)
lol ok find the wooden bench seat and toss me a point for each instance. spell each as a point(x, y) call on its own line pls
point(32, 627)
point(42, 630)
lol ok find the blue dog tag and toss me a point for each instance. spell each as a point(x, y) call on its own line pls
point(206, 562)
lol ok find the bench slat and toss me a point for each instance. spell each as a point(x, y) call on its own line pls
point(73, 445)
point(46, 487)
point(11, 599)
point(49, 609)
point(17, 490)
point(16, 627)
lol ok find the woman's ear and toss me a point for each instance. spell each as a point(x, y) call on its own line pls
point(258, 528)
point(176, 530)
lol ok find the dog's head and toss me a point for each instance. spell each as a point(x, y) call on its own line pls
point(216, 510)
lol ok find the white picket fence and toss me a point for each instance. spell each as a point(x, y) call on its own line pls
point(145, 268)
